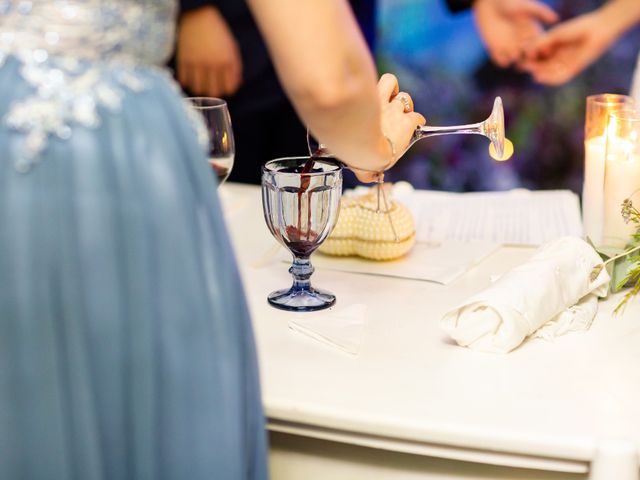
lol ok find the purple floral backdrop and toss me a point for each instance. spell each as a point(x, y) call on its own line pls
point(440, 60)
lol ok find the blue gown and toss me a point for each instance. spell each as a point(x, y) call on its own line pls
point(126, 349)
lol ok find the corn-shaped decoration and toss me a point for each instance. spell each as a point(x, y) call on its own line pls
point(365, 230)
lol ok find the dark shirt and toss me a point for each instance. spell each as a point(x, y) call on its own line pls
point(459, 5)
point(260, 86)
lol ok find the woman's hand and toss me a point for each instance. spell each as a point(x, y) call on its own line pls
point(399, 121)
point(398, 124)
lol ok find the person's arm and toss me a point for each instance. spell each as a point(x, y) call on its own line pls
point(208, 60)
point(327, 71)
point(569, 48)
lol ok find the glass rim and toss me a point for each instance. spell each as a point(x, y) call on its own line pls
point(215, 102)
point(631, 115)
point(326, 160)
point(610, 99)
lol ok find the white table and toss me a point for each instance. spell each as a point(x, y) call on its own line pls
point(414, 405)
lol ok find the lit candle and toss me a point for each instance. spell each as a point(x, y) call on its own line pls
point(593, 187)
point(599, 107)
point(621, 175)
point(624, 176)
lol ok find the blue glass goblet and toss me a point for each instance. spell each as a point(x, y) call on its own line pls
point(301, 201)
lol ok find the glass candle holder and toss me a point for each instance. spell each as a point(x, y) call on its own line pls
point(621, 177)
point(599, 108)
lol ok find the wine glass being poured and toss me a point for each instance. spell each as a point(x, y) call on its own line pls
point(500, 147)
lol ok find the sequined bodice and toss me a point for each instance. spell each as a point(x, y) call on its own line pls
point(78, 56)
point(130, 31)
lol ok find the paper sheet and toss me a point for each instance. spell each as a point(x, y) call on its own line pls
point(519, 217)
point(440, 263)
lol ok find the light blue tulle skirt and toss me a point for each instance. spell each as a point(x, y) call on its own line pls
point(126, 349)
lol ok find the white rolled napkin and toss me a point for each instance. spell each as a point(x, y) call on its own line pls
point(558, 277)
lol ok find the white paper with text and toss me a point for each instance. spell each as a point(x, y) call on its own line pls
point(519, 217)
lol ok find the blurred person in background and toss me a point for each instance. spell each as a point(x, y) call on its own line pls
point(220, 52)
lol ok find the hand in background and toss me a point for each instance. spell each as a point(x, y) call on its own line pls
point(506, 26)
point(207, 57)
point(567, 49)
point(570, 47)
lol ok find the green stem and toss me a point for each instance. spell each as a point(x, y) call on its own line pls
point(623, 254)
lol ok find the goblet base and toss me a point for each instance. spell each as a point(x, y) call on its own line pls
point(301, 300)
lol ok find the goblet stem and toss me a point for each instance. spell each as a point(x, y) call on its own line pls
point(301, 271)
point(432, 131)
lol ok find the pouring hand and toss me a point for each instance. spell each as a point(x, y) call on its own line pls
point(398, 124)
point(398, 120)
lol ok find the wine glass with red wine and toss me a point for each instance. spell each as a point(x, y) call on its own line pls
point(301, 200)
point(221, 145)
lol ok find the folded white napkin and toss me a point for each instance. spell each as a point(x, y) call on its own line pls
point(574, 319)
point(556, 278)
point(341, 329)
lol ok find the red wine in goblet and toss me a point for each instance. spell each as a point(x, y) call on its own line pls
point(300, 198)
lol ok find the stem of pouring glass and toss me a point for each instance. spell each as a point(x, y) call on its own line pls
point(432, 130)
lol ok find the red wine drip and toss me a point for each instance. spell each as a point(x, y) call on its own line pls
point(302, 244)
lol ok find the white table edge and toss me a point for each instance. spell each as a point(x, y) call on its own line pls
point(429, 449)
